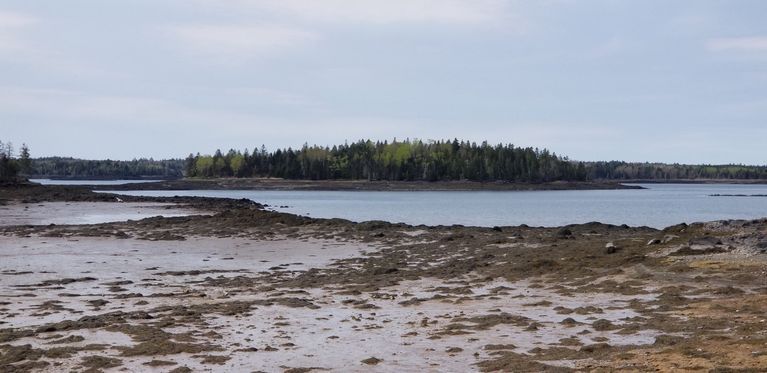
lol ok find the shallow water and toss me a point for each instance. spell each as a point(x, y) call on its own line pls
point(658, 206)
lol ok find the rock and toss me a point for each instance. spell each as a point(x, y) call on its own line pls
point(372, 361)
point(602, 325)
point(569, 322)
point(564, 233)
point(669, 237)
point(705, 241)
point(680, 228)
point(611, 248)
point(385, 271)
point(667, 340)
point(687, 250)
point(595, 347)
point(654, 241)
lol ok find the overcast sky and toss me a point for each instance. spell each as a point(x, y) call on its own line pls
point(673, 81)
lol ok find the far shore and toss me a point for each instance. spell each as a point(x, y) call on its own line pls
point(695, 181)
point(384, 185)
point(363, 185)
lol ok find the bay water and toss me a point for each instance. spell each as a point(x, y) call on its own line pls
point(658, 206)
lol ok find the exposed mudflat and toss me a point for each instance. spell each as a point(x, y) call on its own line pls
point(243, 289)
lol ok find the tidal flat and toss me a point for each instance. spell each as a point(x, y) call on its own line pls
point(226, 285)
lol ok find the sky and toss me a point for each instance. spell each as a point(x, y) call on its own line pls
point(643, 80)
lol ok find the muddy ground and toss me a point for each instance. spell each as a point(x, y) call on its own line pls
point(239, 288)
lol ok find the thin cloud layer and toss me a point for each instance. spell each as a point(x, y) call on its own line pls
point(382, 11)
point(15, 20)
point(240, 41)
point(12, 24)
point(742, 44)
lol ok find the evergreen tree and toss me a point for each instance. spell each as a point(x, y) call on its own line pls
point(9, 168)
point(25, 162)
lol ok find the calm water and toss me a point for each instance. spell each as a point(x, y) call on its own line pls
point(88, 182)
point(658, 206)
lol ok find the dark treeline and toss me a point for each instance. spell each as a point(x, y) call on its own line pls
point(11, 166)
point(396, 160)
point(367, 160)
point(661, 171)
point(58, 167)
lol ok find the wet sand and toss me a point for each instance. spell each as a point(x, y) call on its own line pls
point(243, 289)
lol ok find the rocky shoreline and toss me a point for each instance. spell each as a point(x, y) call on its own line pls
point(238, 287)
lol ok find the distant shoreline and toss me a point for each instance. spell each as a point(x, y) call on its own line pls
point(737, 195)
point(694, 181)
point(556, 185)
point(362, 185)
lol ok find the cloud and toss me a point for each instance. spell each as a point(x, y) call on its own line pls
point(611, 47)
point(15, 20)
point(238, 42)
point(271, 96)
point(380, 11)
point(25, 41)
point(394, 11)
point(111, 108)
point(740, 44)
point(11, 26)
point(290, 25)
point(67, 104)
point(148, 112)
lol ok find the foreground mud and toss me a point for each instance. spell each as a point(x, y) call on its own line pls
point(244, 289)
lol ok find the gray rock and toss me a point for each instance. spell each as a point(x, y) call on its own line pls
point(669, 237)
point(611, 248)
point(705, 241)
